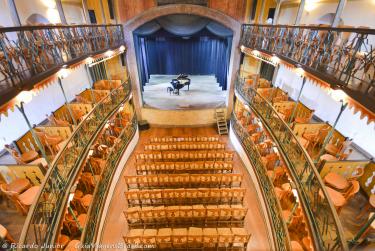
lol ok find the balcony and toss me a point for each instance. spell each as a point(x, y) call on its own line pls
point(321, 216)
point(45, 217)
point(30, 55)
point(342, 57)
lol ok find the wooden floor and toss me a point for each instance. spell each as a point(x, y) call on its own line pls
point(116, 227)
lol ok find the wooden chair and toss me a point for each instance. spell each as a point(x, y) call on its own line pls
point(164, 238)
point(20, 158)
point(195, 237)
point(149, 237)
point(134, 237)
point(210, 237)
point(73, 245)
point(179, 238)
point(49, 141)
point(21, 201)
point(5, 236)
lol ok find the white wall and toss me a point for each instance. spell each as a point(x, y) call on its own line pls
point(359, 13)
point(314, 9)
point(73, 12)
point(288, 14)
point(5, 18)
point(43, 7)
point(46, 101)
point(318, 9)
point(327, 109)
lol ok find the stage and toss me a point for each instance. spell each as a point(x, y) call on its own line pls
point(204, 93)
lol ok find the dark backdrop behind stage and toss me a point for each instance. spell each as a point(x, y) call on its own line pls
point(188, 44)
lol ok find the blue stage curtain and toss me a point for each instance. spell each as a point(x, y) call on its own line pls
point(187, 44)
point(201, 54)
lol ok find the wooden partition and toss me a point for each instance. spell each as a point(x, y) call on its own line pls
point(86, 96)
point(273, 94)
point(107, 84)
point(302, 112)
point(26, 142)
point(300, 128)
point(77, 109)
point(367, 180)
point(34, 173)
point(346, 168)
point(63, 131)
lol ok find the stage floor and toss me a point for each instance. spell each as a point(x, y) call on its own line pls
point(204, 93)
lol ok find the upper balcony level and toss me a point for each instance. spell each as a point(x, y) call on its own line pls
point(340, 57)
point(34, 55)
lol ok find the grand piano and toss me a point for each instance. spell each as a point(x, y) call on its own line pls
point(178, 83)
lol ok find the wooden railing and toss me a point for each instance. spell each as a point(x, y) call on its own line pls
point(30, 54)
point(343, 57)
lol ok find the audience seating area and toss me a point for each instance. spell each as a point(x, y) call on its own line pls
point(184, 167)
point(184, 197)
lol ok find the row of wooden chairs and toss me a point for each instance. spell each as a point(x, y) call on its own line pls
point(184, 167)
point(183, 180)
point(185, 238)
point(185, 155)
point(184, 139)
point(206, 196)
point(185, 146)
point(195, 215)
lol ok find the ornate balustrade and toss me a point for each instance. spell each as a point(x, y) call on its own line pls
point(325, 226)
point(30, 54)
point(343, 57)
point(95, 211)
point(274, 210)
point(44, 218)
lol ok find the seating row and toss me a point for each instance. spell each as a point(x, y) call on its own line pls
point(182, 215)
point(185, 155)
point(186, 146)
point(183, 180)
point(184, 139)
point(156, 197)
point(192, 237)
point(184, 167)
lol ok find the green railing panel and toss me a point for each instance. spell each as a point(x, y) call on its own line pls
point(279, 228)
point(43, 220)
point(326, 229)
point(90, 232)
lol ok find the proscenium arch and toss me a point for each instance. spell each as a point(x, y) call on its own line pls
point(153, 13)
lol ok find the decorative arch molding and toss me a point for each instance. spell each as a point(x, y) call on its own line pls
point(160, 11)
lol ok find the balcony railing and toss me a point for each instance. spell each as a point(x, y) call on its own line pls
point(278, 225)
point(30, 54)
point(343, 57)
point(43, 221)
point(95, 211)
point(323, 220)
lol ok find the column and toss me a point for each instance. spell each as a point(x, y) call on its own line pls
point(277, 12)
point(14, 13)
point(61, 11)
point(103, 13)
point(300, 12)
point(339, 10)
point(86, 11)
point(261, 13)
